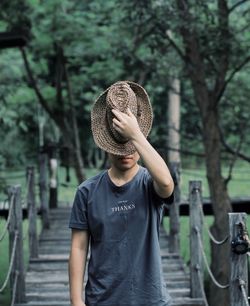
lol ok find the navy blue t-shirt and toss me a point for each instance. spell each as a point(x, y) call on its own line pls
point(123, 222)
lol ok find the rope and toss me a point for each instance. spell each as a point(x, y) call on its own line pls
point(215, 241)
point(11, 263)
point(243, 290)
point(9, 216)
point(14, 289)
point(202, 288)
point(207, 265)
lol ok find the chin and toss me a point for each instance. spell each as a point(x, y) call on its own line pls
point(125, 166)
point(124, 163)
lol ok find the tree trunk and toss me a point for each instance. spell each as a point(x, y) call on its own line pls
point(63, 120)
point(79, 168)
point(78, 164)
point(174, 122)
point(221, 207)
point(218, 192)
point(207, 102)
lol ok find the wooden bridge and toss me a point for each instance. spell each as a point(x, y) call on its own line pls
point(45, 283)
point(46, 279)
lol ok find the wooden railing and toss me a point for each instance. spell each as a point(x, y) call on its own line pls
point(16, 271)
point(238, 280)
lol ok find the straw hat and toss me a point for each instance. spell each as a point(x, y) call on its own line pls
point(121, 96)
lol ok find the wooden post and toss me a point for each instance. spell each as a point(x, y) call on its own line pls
point(31, 201)
point(16, 227)
point(196, 224)
point(238, 263)
point(174, 214)
point(53, 183)
point(43, 160)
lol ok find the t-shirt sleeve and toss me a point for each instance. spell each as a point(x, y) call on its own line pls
point(157, 200)
point(79, 214)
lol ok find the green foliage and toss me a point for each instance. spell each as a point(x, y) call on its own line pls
point(16, 112)
point(106, 41)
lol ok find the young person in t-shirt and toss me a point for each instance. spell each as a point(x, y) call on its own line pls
point(118, 212)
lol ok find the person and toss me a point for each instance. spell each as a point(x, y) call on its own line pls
point(118, 212)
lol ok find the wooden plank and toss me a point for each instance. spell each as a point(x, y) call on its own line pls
point(54, 257)
point(196, 226)
point(56, 287)
point(188, 302)
point(16, 227)
point(32, 212)
point(45, 303)
point(177, 293)
point(178, 283)
point(47, 277)
point(174, 215)
point(48, 296)
point(45, 266)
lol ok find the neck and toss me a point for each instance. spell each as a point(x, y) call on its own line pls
point(120, 177)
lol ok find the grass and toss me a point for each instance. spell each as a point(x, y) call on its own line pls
point(238, 186)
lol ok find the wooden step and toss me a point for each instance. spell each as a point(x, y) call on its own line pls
point(48, 296)
point(176, 302)
point(47, 276)
point(188, 302)
point(179, 292)
point(47, 287)
point(177, 284)
point(45, 303)
point(50, 257)
point(48, 266)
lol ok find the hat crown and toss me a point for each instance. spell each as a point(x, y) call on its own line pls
point(120, 96)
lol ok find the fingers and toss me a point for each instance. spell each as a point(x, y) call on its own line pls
point(117, 125)
point(117, 122)
point(119, 115)
point(130, 113)
point(123, 121)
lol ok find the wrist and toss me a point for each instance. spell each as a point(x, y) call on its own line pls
point(137, 136)
point(76, 301)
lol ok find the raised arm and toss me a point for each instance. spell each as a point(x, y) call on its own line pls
point(77, 264)
point(127, 125)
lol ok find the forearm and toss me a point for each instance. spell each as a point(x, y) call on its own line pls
point(155, 165)
point(77, 264)
point(127, 125)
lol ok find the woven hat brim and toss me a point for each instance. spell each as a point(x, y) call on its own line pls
point(99, 125)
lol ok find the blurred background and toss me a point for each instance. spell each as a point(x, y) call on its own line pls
point(193, 59)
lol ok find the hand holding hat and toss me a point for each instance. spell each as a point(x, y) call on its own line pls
point(126, 124)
